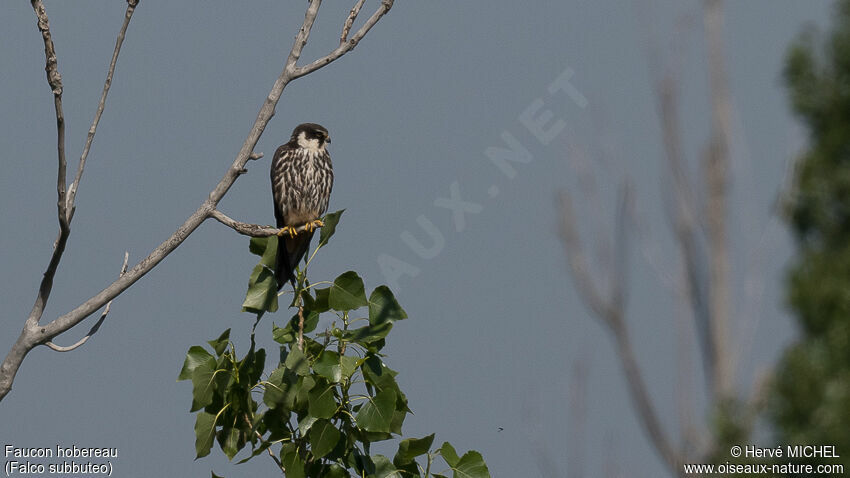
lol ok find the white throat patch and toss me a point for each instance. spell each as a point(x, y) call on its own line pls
point(311, 145)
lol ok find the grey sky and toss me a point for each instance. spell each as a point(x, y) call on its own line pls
point(495, 324)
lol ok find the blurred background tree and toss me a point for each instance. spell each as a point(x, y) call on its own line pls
point(811, 403)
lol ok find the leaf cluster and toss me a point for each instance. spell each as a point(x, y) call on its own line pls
point(809, 405)
point(330, 396)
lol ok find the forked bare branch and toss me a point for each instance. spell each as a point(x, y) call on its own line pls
point(34, 334)
point(610, 311)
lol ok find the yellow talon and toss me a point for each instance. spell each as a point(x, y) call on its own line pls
point(287, 230)
point(312, 225)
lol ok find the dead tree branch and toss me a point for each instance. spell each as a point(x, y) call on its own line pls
point(610, 311)
point(72, 190)
point(34, 334)
point(717, 181)
point(246, 229)
point(97, 324)
point(699, 226)
point(54, 80)
point(349, 22)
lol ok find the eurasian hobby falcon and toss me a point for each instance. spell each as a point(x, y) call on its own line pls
point(302, 177)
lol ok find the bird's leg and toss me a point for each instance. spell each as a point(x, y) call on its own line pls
point(312, 225)
point(287, 230)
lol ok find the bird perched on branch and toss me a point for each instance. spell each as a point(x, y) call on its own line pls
point(302, 177)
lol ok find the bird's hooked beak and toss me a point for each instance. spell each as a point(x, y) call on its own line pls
point(328, 140)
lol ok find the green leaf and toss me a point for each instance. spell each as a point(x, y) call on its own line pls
point(214, 475)
point(281, 389)
point(283, 335)
point(252, 366)
point(410, 448)
point(471, 465)
point(323, 438)
point(257, 451)
point(257, 246)
point(297, 361)
point(384, 468)
point(262, 291)
point(311, 320)
point(195, 357)
point(336, 471)
point(377, 413)
point(266, 248)
point(275, 421)
point(320, 303)
point(383, 307)
point(292, 461)
point(369, 333)
point(380, 376)
point(330, 220)
point(335, 367)
point(449, 454)
point(306, 423)
point(347, 293)
point(348, 365)
point(203, 385)
point(204, 433)
point(231, 442)
point(220, 344)
point(398, 417)
point(322, 402)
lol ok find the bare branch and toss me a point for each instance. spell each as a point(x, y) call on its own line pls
point(33, 334)
point(717, 172)
point(352, 16)
point(347, 46)
point(301, 39)
point(579, 264)
point(253, 230)
point(611, 313)
point(642, 402)
point(96, 326)
point(72, 190)
point(54, 79)
point(685, 223)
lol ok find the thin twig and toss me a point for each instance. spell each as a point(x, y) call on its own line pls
point(269, 449)
point(72, 190)
point(352, 16)
point(96, 326)
point(300, 327)
point(347, 46)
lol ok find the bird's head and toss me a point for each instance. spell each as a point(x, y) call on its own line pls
point(311, 136)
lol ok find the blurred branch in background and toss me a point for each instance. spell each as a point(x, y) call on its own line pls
point(700, 231)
